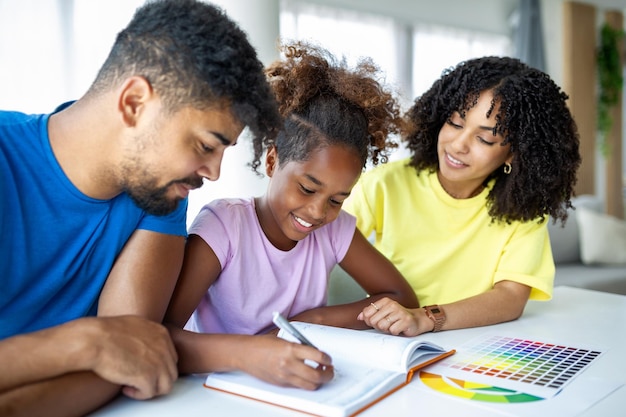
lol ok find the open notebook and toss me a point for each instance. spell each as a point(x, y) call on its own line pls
point(369, 365)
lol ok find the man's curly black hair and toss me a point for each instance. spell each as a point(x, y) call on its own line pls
point(194, 55)
point(325, 102)
point(533, 118)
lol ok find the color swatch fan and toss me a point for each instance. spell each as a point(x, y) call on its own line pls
point(508, 369)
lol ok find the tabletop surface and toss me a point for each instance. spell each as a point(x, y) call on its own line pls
point(574, 316)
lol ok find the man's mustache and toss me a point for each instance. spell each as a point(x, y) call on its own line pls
point(192, 182)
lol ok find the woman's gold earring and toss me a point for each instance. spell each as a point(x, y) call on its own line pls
point(507, 168)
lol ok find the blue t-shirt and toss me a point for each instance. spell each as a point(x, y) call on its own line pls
point(57, 246)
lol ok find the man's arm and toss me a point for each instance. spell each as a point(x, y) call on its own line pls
point(37, 356)
point(43, 372)
point(144, 276)
point(140, 283)
point(79, 402)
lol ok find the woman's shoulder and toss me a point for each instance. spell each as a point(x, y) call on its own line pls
point(393, 173)
point(390, 169)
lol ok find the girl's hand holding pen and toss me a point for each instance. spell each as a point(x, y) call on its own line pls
point(283, 324)
point(282, 363)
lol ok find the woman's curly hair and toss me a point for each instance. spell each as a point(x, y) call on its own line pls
point(323, 102)
point(532, 117)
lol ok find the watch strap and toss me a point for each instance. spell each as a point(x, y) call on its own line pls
point(437, 315)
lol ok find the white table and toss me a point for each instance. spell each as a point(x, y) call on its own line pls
point(572, 316)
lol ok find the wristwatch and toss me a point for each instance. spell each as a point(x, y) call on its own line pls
point(436, 314)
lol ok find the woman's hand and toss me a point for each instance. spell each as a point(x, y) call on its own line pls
point(389, 316)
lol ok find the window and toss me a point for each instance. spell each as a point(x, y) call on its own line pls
point(412, 57)
point(436, 48)
point(346, 34)
point(52, 50)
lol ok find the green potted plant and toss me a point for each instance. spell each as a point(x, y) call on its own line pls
point(610, 81)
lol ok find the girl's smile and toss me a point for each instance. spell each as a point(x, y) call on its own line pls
point(305, 195)
point(305, 225)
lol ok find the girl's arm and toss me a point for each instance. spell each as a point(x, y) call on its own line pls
point(378, 277)
point(504, 302)
point(199, 271)
point(267, 357)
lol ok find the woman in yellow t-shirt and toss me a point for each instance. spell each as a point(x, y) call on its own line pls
point(494, 154)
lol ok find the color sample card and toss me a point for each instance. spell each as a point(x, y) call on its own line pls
point(509, 369)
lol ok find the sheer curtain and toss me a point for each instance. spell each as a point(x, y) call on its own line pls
point(437, 48)
point(51, 50)
point(354, 35)
point(347, 34)
point(412, 55)
point(32, 56)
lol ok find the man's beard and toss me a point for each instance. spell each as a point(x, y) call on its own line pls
point(154, 200)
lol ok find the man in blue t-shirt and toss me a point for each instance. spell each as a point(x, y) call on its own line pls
point(93, 202)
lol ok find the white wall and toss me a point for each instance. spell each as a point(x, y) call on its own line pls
point(259, 19)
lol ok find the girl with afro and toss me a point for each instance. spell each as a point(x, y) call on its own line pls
point(494, 154)
point(248, 257)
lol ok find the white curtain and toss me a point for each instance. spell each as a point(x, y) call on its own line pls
point(438, 47)
point(412, 56)
point(50, 51)
point(345, 33)
point(528, 34)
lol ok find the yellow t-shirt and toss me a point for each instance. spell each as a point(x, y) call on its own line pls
point(447, 249)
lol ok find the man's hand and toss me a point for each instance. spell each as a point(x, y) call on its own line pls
point(130, 351)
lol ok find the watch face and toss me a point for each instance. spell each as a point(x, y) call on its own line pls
point(435, 310)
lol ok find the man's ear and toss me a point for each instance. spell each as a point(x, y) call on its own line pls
point(271, 161)
point(134, 93)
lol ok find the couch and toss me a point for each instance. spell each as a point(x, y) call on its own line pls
point(598, 271)
point(590, 250)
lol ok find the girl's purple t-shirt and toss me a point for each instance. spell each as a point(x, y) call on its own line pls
point(257, 278)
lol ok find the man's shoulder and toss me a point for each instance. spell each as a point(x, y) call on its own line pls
point(8, 118)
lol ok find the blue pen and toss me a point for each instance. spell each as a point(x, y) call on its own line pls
point(284, 324)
